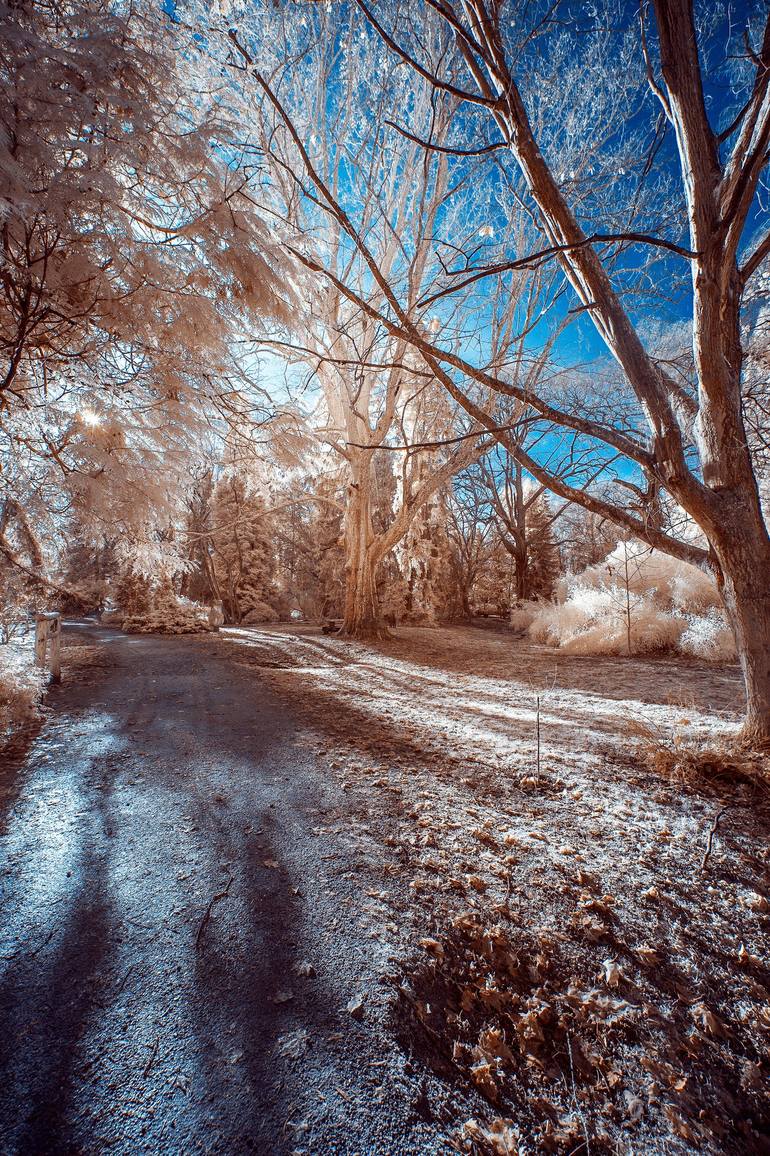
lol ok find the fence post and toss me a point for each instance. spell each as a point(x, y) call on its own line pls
point(41, 639)
point(48, 626)
point(216, 615)
point(54, 661)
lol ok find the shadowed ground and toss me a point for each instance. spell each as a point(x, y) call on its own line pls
point(171, 784)
point(216, 844)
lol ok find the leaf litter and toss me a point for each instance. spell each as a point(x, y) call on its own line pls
point(565, 961)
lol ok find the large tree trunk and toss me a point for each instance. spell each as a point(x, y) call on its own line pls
point(362, 617)
point(465, 600)
point(362, 609)
point(743, 551)
point(521, 556)
point(522, 575)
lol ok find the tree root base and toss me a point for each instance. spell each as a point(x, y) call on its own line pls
point(368, 632)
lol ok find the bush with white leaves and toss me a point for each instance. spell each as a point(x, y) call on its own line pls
point(21, 688)
point(638, 600)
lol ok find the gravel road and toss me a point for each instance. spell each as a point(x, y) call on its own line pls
point(178, 940)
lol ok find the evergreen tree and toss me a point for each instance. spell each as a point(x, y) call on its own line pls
point(132, 593)
point(543, 560)
point(243, 551)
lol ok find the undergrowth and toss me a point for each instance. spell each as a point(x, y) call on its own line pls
point(582, 1045)
point(723, 768)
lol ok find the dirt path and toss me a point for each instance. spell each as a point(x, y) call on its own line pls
point(216, 844)
point(177, 946)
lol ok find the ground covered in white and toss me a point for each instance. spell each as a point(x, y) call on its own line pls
point(21, 686)
point(576, 895)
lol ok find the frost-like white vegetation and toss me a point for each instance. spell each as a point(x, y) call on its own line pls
point(168, 615)
point(21, 686)
point(638, 599)
point(478, 697)
point(443, 723)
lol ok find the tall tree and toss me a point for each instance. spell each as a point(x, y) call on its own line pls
point(129, 258)
point(242, 549)
point(471, 531)
point(524, 522)
point(513, 66)
point(366, 394)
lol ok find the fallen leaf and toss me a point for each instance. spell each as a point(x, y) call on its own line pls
point(707, 1020)
point(612, 973)
point(500, 1137)
point(492, 1046)
point(483, 1074)
point(433, 946)
point(680, 1127)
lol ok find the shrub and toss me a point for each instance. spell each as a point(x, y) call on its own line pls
point(260, 612)
point(21, 688)
point(708, 636)
point(524, 614)
point(168, 615)
point(672, 606)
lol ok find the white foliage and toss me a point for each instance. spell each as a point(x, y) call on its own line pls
point(159, 559)
point(21, 686)
point(665, 605)
point(133, 262)
point(708, 636)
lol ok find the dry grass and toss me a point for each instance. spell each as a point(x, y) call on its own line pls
point(21, 687)
point(721, 768)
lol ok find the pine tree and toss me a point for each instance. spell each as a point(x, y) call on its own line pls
point(243, 551)
point(132, 593)
point(543, 560)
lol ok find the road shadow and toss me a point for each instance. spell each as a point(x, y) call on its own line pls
point(121, 1021)
point(51, 989)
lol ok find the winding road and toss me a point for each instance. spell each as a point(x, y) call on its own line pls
point(179, 942)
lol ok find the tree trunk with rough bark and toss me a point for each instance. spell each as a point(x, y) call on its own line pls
point(742, 547)
point(362, 618)
point(749, 612)
point(521, 568)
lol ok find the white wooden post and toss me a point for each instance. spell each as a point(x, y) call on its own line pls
point(41, 639)
point(48, 626)
point(54, 662)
